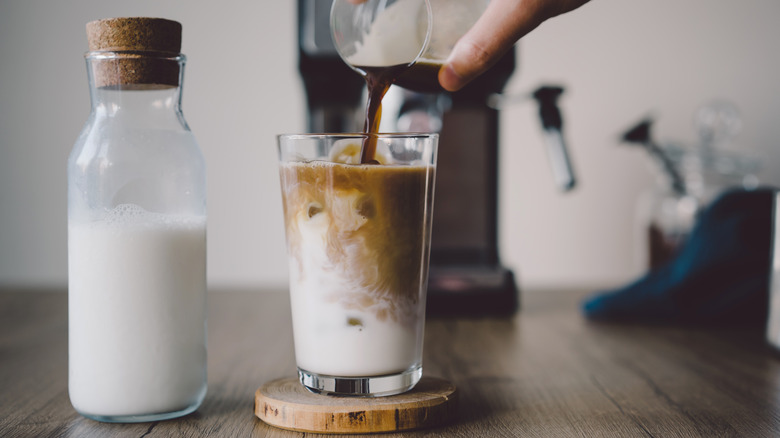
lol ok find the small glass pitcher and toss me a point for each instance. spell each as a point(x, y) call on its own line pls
point(417, 33)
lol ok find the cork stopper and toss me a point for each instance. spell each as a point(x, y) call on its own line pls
point(144, 52)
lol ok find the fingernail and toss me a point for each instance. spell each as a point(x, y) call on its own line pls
point(449, 79)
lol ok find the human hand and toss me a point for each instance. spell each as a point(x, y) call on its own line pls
point(497, 30)
point(503, 23)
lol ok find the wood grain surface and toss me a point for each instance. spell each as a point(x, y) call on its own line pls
point(287, 404)
point(545, 372)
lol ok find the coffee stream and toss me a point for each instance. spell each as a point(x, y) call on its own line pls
point(378, 80)
point(422, 77)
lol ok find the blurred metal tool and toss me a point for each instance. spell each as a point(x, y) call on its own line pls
point(550, 117)
point(552, 123)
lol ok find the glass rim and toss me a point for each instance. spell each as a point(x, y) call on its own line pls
point(134, 54)
point(390, 135)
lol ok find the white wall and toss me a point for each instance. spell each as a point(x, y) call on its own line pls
point(623, 59)
point(619, 59)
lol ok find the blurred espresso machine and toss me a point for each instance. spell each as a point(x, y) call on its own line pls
point(466, 276)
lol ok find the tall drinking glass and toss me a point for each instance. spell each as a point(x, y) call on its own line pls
point(358, 240)
point(773, 319)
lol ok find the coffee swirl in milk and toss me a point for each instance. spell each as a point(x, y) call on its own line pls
point(364, 225)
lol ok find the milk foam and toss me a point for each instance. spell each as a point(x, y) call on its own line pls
point(132, 215)
point(393, 38)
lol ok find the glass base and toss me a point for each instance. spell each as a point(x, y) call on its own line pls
point(144, 418)
point(373, 386)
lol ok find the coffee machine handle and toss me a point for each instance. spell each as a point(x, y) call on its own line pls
point(552, 124)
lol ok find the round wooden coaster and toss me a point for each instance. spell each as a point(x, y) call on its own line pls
point(285, 403)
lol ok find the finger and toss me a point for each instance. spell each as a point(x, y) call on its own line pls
point(503, 23)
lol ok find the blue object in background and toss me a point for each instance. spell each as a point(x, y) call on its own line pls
point(719, 276)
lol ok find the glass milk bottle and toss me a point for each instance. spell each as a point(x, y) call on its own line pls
point(136, 232)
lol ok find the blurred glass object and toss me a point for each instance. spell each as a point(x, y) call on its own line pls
point(688, 178)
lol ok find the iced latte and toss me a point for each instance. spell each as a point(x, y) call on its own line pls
point(358, 240)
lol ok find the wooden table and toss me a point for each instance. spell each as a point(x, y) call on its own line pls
point(546, 372)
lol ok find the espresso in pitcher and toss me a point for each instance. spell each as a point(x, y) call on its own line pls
point(422, 77)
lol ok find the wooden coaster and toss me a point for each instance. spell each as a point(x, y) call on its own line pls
point(285, 403)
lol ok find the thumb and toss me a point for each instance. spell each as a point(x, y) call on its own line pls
point(500, 26)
